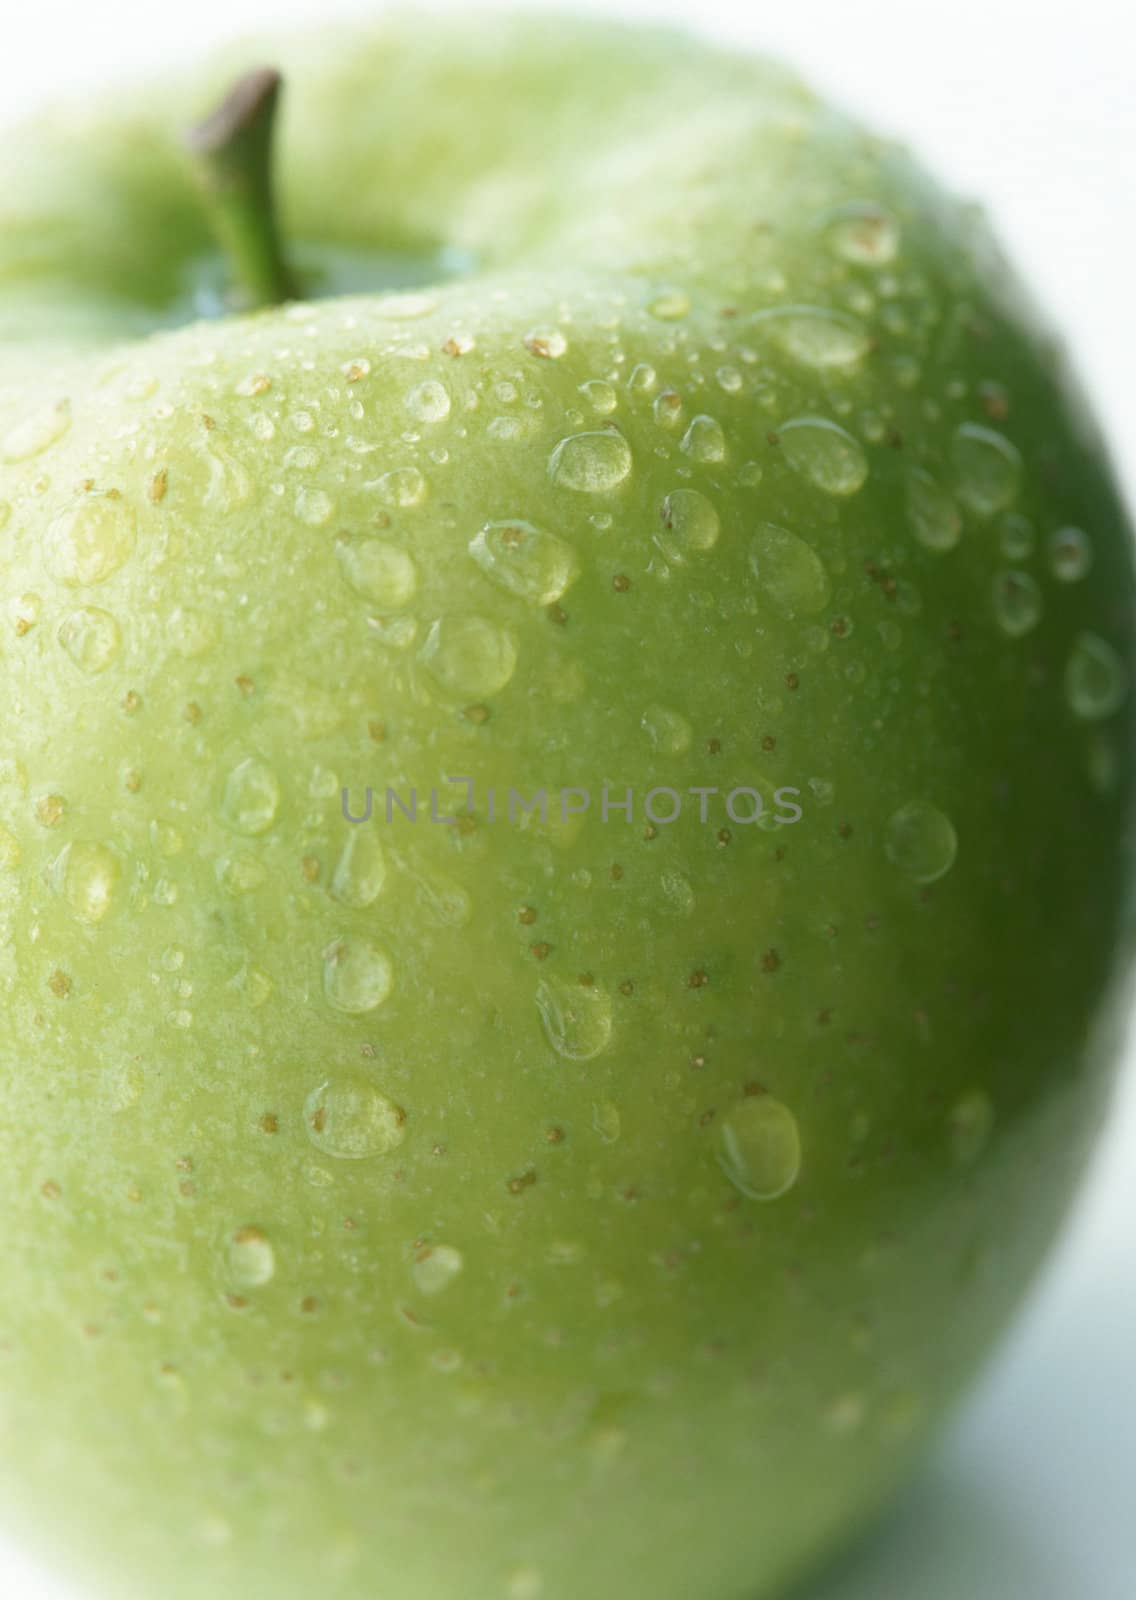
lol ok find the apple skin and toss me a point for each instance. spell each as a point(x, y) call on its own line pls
point(462, 1294)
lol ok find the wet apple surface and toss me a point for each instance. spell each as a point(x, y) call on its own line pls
point(590, 1163)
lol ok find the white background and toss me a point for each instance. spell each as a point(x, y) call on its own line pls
point(1030, 105)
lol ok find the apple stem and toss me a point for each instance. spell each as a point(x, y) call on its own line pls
point(232, 157)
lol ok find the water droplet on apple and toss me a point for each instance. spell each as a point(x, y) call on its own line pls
point(87, 874)
point(361, 870)
point(525, 560)
point(436, 1268)
point(813, 337)
point(250, 1260)
point(591, 463)
point(669, 304)
point(704, 440)
point(302, 458)
point(91, 638)
point(357, 975)
point(89, 543)
point(863, 233)
point(935, 519)
point(429, 401)
point(1017, 603)
point(348, 1117)
point(401, 488)
point(689, 525)
point(393, 633)
point(921, 841)
point(577, 1018)
point(607, 1121)
point(251, 798)
point(315, 507)
point(988, 469)
point(240, 874)
point(1070, 554)
point(643, 378)
point(759, 1147)
point(1096, 679)
point(468, 657)
point(601, 396)
point(679, 891)
point(970, 1125)
point(378, 571)
point(789, 571)
point(825, 454)
point(669, 731)
point(36, 433)
point(549, 344)
point(1018, 538)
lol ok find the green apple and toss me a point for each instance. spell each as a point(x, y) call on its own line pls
point(541, 1202)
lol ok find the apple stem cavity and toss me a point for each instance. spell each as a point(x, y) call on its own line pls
point(232, 158)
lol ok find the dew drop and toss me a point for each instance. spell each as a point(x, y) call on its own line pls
point(669, 304)
point(690, 525)
point(315, 507)
point(825, 454)
point(400, 488)
point(549, 344)
point(1017, 603)
point(969, 1126)
point(789, 571)
point(863, 233)
point(91, 639)
point(525, 560)
point(192, 633)
point(361, 870)
point(36, 433)
point(348, 1117)
point(1096, 679)
point(250, 1260)
point(378, 571)
point(357, 975)
point(1070, 554)
point(429, 401)
point(607, 1121)
point(813, 337)
point(577, 1018)
point(987, 467)
point(643, 378)
point(89, 543)
point(393, 633)
point(759, 1147)
point(1018, 538)
point(436, 1268)
point(704, 439)
point(591, 463)
point(240, 874)
point(669, 731)
point(934, 517)
point(679, 891)
point(600, 396)
point(921, 842)
point(468, 657)
point(251, 798)
point(87, 875)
